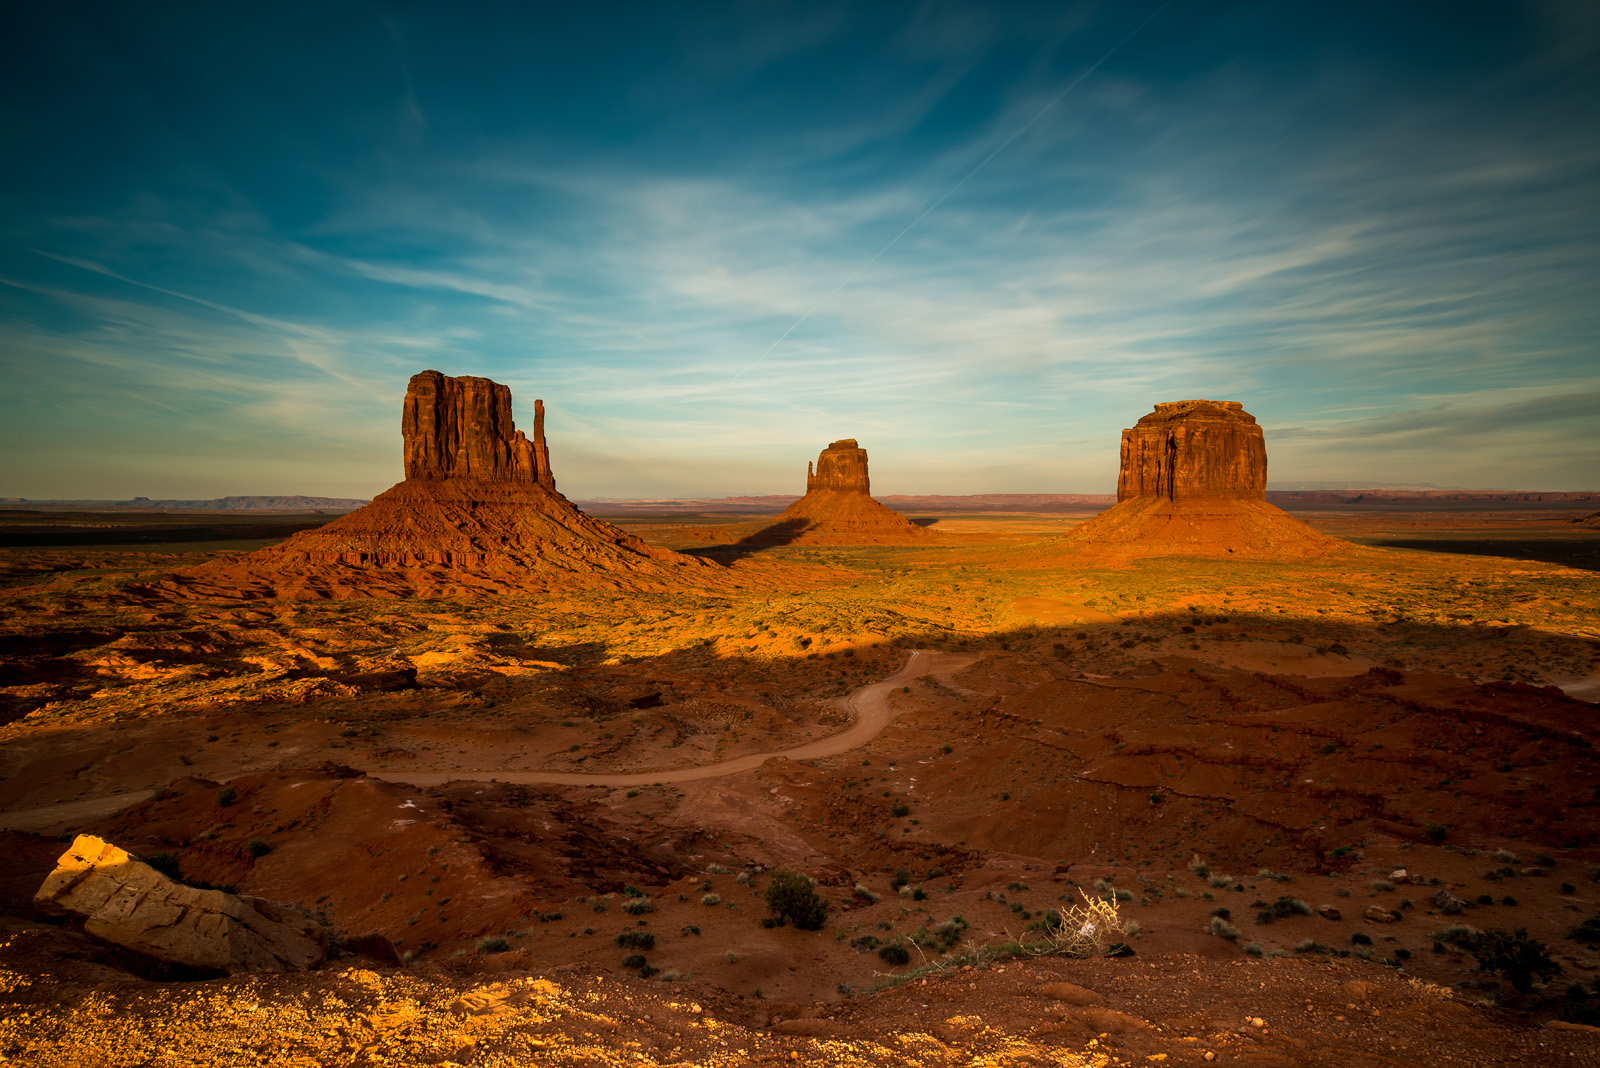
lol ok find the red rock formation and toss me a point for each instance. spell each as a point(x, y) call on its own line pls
point(1193, 483)
point(838, 508)
point(462, 428)
point(1194, 449)
point(478, 510)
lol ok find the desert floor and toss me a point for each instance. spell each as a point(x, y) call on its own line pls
point(953, 740)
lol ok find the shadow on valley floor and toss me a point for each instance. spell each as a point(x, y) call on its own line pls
point(769, 537)
point(1580, 551)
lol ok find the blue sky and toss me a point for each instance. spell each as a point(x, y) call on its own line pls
point(228, 237)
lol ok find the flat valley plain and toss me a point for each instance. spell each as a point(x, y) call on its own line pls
point(504, 785)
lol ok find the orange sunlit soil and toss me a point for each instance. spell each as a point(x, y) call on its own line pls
point(1200, 734)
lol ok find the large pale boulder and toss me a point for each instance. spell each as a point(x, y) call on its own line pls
point(126, 902)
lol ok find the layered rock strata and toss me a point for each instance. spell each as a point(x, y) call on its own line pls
point(478, 510)
point(838, 508)
point(128, 903)
point(1193, 482)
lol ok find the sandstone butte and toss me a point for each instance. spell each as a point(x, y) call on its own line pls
point(1193, 482)
point(478, 510)
point(838, 508)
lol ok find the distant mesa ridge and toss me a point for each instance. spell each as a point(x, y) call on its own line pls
point(478, 510)
point(1193, 483)
point(838, 508)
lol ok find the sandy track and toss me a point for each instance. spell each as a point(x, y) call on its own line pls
point(870, 704)
point(872, 714)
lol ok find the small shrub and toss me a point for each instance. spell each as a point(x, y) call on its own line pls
point(901, 878)
point(1587, 932)
point(633, 960)
point(900, 808)
point(635, 906)
point(895, 954)
point(1382, 885)
point(1223, 929)
point(791, 898)
point(862, 891)
point(1199, 867)
point(227, 796)
point(493, 945)
point(1221, 881)
point(1514, 955)
point(1253, 949)
point(642, 940)
point(632, 891)
point(165, 863)
point(711, 899)
point(1436, 832)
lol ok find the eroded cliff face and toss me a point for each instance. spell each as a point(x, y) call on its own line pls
point(1194, 449)
point(841, 466)
point(462, 428)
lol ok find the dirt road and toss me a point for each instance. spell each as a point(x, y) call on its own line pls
point(870, 704)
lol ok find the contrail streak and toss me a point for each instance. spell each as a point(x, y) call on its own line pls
point(1018, 132)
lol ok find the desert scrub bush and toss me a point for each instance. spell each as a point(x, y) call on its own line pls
point(1253, 949)
point(710, 899)
point(1220, 881)
point(164, 862)
point(1505, 856)
point(900, 808)
point(716, 869)
point(1223, 929)
point(1019, 886)
point(1283, 908)
point(642, 940)
point(258, 847)
point(1382, 885)
point(1587, 932)
point(792, 898)
point(1102, 885)
point(489, 944)
point(1084, 929)
point(1275, 876)
point(1457, 934)
point(743, 878)
point(1360, 939)
point(1223, 911)
point(633, 960)
point(1199, 867)
point(632, 891)
point(894, 954)
point(1516, 956)
point(862, 891)
point(227, 796)
point(902, 876)
point(635, 906)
